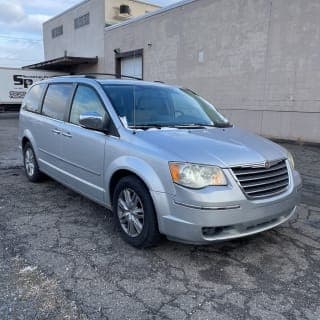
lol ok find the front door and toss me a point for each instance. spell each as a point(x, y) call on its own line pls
point(83, 149)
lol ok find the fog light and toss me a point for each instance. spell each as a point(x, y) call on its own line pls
point(208, 231)
point(212, 231)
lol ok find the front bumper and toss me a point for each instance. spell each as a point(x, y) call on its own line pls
point(229, 215)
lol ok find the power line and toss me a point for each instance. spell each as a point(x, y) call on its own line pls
point(20, 38)
point(16, 59)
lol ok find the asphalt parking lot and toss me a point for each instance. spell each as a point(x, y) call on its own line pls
point(61, 258)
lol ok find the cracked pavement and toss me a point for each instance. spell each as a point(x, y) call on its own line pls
point(61, 258)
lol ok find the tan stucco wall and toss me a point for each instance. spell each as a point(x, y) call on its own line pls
point(87, 41)
point(258, 60)
point(137, 9)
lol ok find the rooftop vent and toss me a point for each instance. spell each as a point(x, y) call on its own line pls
point(124, 9)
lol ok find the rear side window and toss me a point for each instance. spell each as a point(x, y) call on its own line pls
point(56, 100)
point(32, 100)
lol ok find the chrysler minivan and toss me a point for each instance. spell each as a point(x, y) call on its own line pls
point(164, 159)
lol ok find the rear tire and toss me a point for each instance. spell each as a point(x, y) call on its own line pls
point(31, 167)
point(134, 213)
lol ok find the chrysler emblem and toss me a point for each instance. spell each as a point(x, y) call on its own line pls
point(267, 164)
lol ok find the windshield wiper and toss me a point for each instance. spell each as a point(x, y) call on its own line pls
point(223, 125)
point(193, 125)
point(147, 126)
point(203, 125)
point(175, 125)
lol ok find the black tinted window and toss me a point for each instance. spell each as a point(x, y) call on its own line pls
point(85, 100)
point(148, 105)
point(122, 99)
point(32, 100)
point(56, 100)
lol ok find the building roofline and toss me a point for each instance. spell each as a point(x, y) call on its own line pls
point(148, 3)
point(67, 10)
point(146, 16)
point(62, 63)
point(85, 1)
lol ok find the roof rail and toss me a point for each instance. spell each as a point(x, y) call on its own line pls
point(119, 76)
point(92, 75)
point(71, 76)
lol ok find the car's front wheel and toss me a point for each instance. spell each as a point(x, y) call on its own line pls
point(30, 164)
point(134, 213)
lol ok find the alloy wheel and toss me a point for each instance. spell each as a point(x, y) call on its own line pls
point(130, 212)
point(29, 162)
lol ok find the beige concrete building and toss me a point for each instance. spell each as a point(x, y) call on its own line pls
point(79, 31)
point(256, 60)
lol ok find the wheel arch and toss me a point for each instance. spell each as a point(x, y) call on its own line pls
point(27, 137)
point(126, 166)
point(24, 142)
point(119, 174)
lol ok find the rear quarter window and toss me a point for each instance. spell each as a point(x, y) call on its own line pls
point(56, 100)
point(32, 100)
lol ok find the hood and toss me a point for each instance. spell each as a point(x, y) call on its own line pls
point(224, 147)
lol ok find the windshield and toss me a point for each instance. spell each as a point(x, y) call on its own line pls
point(140, 106)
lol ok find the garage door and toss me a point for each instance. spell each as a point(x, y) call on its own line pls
point(132, 66)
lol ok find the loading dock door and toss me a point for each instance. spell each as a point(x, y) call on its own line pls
point(132, 66)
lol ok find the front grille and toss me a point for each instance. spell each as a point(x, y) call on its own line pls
point(263, 182)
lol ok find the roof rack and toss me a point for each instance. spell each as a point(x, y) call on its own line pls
point(71, 76)
point(92, 75)
point(119, 76)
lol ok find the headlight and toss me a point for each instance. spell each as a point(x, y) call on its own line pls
point(290, 158)
point(196, 176)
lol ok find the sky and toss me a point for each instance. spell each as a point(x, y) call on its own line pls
point(21, 28)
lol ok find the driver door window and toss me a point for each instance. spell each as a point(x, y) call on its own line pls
point(85, 100)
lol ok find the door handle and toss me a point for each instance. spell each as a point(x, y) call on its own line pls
point(67, 134)
point(56, 131)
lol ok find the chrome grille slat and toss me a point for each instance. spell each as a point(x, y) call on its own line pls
point(245, 171)
point(259, 183)
point(260, 176)
point(273, 186)
point(269, 194)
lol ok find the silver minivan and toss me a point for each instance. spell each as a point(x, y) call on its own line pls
point(161, 157)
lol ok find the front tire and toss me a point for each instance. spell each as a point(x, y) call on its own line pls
point(31, 167)
point(134, 213)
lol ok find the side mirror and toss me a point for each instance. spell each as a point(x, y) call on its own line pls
point(93, 120)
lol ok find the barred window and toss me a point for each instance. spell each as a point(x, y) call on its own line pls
point(82, 21)
point(56, 32)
